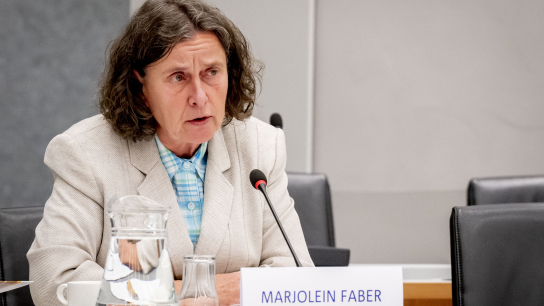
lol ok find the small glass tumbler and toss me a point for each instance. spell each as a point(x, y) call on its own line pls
point(198, 284)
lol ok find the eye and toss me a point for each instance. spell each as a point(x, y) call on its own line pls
point(178, 78)
point(213, 72)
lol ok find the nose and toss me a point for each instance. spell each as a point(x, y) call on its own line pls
point(197, 96)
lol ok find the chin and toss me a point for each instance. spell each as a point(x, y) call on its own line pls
point(202, 136)
point(203, 133)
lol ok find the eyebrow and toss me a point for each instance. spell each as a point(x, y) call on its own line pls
point(212, 63)
point(175, 69)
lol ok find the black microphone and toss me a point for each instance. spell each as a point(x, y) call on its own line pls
point(275, 120)
point(258, 180)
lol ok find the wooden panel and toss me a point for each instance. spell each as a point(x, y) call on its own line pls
point(427, 294)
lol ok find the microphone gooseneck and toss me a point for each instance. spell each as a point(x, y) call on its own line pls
point(258, 181)
point(275, 120)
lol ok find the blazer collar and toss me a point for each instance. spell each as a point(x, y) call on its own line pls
point(217, 152)
point(144, 154)
point(218, 195)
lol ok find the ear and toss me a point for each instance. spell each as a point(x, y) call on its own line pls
point(138, 76)
point(141, 80)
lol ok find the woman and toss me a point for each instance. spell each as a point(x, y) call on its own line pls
point(175, 127)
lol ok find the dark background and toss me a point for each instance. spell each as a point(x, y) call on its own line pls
point(52, 54)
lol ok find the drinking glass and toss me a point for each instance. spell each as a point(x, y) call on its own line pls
point(198, 286)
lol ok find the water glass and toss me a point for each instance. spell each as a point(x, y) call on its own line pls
point(198, 286)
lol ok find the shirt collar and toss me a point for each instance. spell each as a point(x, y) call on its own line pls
point(171, 161)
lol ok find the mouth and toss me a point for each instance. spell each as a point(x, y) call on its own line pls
point(199, 121)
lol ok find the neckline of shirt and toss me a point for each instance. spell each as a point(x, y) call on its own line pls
point(198, 160)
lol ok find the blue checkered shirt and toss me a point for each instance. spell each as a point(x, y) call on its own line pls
point(187, 177)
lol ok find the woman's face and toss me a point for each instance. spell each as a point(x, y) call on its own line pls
point(186, 92)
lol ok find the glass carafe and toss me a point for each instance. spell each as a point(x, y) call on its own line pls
point(198, 284)
point(138, 270)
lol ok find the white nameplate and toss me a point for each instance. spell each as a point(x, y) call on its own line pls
point(325, 285)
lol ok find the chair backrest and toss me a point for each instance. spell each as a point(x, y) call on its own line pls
point(497, 254)
point(507, 189)
point(17, 232)
point(312, 197)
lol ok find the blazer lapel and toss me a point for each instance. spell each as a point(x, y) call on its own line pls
point(218, 195)
point(144, 155)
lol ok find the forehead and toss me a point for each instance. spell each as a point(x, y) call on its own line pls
point(202, 48)
point(200, 41)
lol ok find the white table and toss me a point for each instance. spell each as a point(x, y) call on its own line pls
point(424, 284)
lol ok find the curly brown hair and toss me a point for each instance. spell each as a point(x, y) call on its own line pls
point(150, 35)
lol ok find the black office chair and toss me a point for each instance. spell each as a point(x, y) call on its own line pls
point(507, 189)
point(312, 197)
point(497, 254)
point(17, 231)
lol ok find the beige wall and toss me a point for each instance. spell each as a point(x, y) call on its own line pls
point(413, 98)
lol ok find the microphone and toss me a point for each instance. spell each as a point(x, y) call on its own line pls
point(275, 120)
point(258, 180)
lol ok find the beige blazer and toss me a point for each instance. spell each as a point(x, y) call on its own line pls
point(91, 164)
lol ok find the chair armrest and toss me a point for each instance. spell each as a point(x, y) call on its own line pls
point(325, 256)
